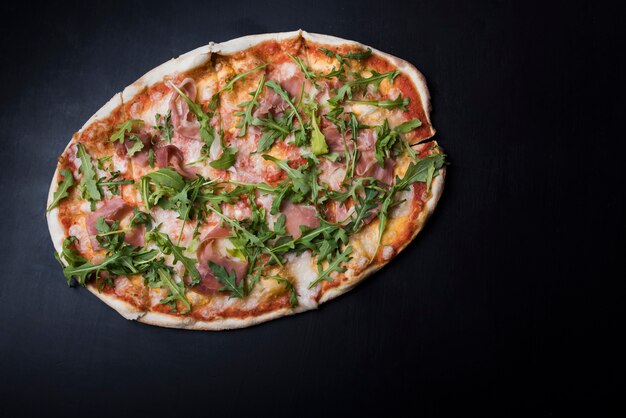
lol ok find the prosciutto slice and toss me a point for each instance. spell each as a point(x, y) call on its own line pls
point(170, 155)
point(333, 137)
point(367, 166)
point(290, 78)
point(184, 122)
point(112, 210)
point(296, 215)
point(270, 101)
point(139, 157)
point(206, 252)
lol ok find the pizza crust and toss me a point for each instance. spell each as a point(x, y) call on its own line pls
point(194, 59)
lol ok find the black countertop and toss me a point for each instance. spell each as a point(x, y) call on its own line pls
point(508, 303)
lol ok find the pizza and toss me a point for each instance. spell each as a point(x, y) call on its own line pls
point(246, 180)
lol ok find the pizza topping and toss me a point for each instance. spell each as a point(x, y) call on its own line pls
point(171, 156)
point(398, 103)
point(270, 101)
point(297, 216)
point(62, 188)
point(112, 210)
point(183, 120)
point(216, 268)
point(136, 146)
point(246, 114)
point(88, 183)
point(290, 78)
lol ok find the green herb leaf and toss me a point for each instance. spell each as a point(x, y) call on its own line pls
point(422, 170)
point(228, 158)
point(141, 218)
point(399, 103)
point(228, 280)
point(274, 128)
point(62, 188)
point(137, 146)
point(88, 183)
point(229, 86)
point(359, 83)
point(407, 127)
point(308, 73)
point(166, 246)
point(161, 277)
point(123, 129)
point(164, 125)
point(333, 265)
point(285, 96)
point(246, 114)
point(318, 141)
point(293, 295)
point(207, 133)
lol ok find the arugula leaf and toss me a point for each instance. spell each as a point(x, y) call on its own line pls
point(246, 114)
point(112, 183)
point(422, 170)
point(229, 281)
point(151, 157)
point(359, 83)
point(207, 133)
point(161, 277)
point(244, 237)
point(318, 141)
point(166, 246)
point(308, 73)
point(229, 86)
point(121, 258)
point(62, 188)
point(164, 125)
point(356, 55)
point(399, 103)
point(359, 55)
point(71, 256)
point(301, 181)
point(388, 139)
point(293, 295)
point(137, 146)
point(285, 96)
point(167, 177)
point(333, 265)
point(141, 218)
point(364, 206)
point(407, 127)
point(88, 183)
point(123, 129)
point(274, 128)
point(228, 158)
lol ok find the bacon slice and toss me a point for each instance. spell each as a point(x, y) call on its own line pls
point(170, 155)
point(184, 122)
point(296, 215)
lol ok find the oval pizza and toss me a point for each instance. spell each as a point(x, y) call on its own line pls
point(246, 180)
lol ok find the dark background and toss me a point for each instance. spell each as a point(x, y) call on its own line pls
point(510, 303)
